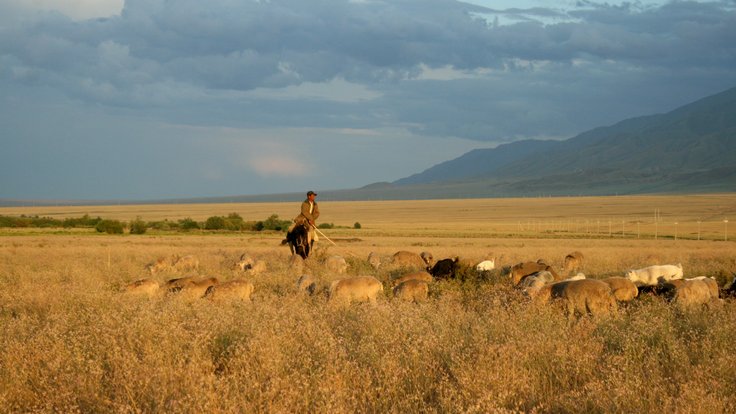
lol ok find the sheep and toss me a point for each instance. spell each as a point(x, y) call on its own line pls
point(355, 289)
point(404, 258)
point(585, 296)
point(687, 293)
point(374, 260)
point(237, 289)
point(485, 266)
point(336, 264)
point(191, 287)
point(572, 262)
point(173, 264)
point(445, 268)
point(622, 288)
point(296, 263)
point(427, 257)
point(729, 289)
point(147, 287)
point(420, 275)
point(654, 274)
point(306, 284)
point(244, 263)
point(259, 267)
point(520, 270)
point(543, 277)
point(412, 290)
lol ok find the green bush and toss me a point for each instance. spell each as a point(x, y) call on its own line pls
point(109, 227)
point(357, 225)
point(273, 223)
point(326, 226)
point(215, 223)
point(138, 226)
point(188, 224)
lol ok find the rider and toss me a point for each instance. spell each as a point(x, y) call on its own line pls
point(309, 214)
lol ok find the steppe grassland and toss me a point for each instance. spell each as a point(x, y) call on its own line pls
point(71, 341)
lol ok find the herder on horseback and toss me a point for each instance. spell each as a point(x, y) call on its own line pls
point(308, 216)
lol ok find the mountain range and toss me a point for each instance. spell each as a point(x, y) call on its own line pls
point(691, 149)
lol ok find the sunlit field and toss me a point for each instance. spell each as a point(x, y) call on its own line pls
point(72, 341)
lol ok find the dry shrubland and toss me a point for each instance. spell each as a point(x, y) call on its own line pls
point(71, 339)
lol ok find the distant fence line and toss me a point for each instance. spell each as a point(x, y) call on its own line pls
point(628, 228)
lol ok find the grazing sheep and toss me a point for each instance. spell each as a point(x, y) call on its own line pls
point(711, 283)
point(147, 287)
point(190, 287)
point(336, 264)
point(572, 262)
point(520, 270)
point(420, 275)
point(585, 296)
point(403, 258)
point(729, 289)
point(445, 268)
point(296, 263)
point(542, 277)
point(374, 260)
point(622, 288)
point(485, 266)
point(173, 264)
point(244, 263)
point(306, 284)
point(355, 289)
point(232, 290)
point(259, 267)
point(654, 274)
point(427, 257)
point(687, 293)
point(412, 291)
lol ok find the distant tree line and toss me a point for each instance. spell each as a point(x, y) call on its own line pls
point(232, 222)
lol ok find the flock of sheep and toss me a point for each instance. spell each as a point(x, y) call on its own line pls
point(416, 272)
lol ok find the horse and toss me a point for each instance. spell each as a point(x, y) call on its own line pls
point(298, 240)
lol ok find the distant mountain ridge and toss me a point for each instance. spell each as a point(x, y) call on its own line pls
point(690, 149)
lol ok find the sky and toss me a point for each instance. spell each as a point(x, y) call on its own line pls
point(152, 99)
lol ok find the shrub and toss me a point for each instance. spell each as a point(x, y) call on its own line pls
point(326, 226)
point(138, 226)
point(109, 227)
point(356, 225)
point(188, 224)
point(215, 223)
point(273, 223)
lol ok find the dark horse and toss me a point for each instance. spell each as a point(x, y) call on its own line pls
point(298, 240)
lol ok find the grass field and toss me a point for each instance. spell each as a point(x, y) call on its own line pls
point(70, 341)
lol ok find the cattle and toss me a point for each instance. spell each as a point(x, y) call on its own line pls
point(298, 240)
point(355, 289)
point(412, 291)
point(231, 290)
point(655, 274)
point(445, 268)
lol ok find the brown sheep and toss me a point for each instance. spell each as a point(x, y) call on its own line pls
point(573, 262)
point(238, 289)
point(244, 263)
point(520, 270)
point(191, 287)
point(306, 284)
point(688, 293)
point(296, 263)
point(374, 259)
point(427, 257)
point(173, 264)
point(336, 264)
point(355, 289)
point(412, 291)
point(622, 288)
point(584, 296)
point(419, 275)
point(403, 258)
point(147, 287)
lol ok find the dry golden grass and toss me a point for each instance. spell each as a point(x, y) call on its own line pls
point(70, 340)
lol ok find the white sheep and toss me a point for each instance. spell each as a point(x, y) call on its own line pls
point(355, 289)
point(652, 275)
point(412, 291)
point(485, 266)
